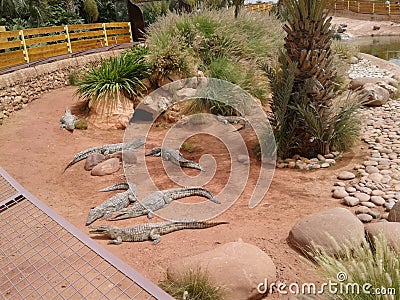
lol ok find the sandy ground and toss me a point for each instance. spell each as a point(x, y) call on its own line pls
point(358, 28)
point(35, 151)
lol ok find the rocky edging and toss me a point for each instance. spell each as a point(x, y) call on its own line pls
point(20, 87)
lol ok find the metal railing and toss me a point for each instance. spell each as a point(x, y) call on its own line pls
point(43, 256)
point(27, 45)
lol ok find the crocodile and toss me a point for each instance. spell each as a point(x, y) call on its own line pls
point(161, 199)
point(148, 231)
point(68, 120)
point(174, 156)
point(106, 150)
point(113, 204)
point(234, 120)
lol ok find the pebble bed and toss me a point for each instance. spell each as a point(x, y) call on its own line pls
point(373, 187)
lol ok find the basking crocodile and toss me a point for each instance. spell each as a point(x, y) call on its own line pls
point(106, 150)
point(233, 120)
point(175, 157)
point(161, 199)
point(68, 120)
point(149, 231)
point(113, 204)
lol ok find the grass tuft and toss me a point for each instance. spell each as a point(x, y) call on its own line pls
point(193, 285)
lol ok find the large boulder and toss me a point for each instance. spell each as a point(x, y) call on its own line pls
point(376, 95)
point(394, 214)
point(238, 267)
point(111, 114)
point(390, 230)
point(361, 81)
point(327, 229)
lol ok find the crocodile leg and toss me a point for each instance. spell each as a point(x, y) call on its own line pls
point(155, 236)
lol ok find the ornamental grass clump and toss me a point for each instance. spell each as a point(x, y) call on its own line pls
point(364, 272)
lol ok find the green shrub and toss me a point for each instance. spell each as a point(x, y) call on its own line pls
point(91, 10)
point(153, 10)
point(193, 285)
point(378, 267)
point(213, 40)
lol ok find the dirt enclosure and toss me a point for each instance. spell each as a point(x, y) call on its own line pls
point(34, 150)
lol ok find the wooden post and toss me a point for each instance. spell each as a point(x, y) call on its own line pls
point(348, 5)
point(358, 6)
point(25, 51)
point(130, 31)
point(373, 7)
point(105, 33)
point(68, 39)
point(389, 9)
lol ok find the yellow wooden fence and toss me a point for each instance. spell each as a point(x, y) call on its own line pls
point(366, 7)
point(24, 46)
point(262, 7)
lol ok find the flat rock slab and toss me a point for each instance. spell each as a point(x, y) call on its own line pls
point(238, 267)
point(320, 229)
point(107, 167)
point(390, 230)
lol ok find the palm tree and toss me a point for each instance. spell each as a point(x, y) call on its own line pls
point(305, 116)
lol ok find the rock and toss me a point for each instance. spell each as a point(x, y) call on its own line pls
point(107, 167)
point(244, 159)
point(93, 160)
point(362, 196)
point(390, 230)
point(353, 60)
point(351, 201)
point(361, 81)
point(339, 193)
point(368, 204)
point(325, 165)
point(362, 210)
point(364, 218)
point(371, 169)
point(345, 175)
point(129, 157)
point(186, 93)
point(322, 227)
point(376, 27)
point(376, 95)
point(375, 177)
point(238, 267)
point(394, 213)
point(377, 200)
point(117, 117)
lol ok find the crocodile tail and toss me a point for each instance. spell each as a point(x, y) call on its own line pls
point(202, 192)
point(188, 224)
point(191, 165)
point(154, 152)
point(115, 187)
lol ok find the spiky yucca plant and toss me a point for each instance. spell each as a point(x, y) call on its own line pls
point(303, 86)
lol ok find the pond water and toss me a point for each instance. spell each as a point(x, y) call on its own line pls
point(385, 47)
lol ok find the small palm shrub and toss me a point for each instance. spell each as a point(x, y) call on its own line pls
point(120, 75)
point(362, 265)
point(193, 285)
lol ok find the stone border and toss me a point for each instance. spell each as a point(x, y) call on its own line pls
point(20, 87)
